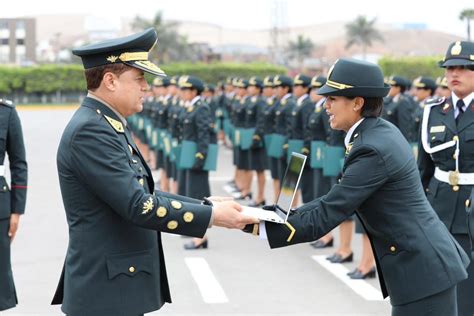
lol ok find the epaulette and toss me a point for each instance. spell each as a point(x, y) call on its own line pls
point(117, 126)
point(7, 103)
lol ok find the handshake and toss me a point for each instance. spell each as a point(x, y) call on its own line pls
point(228, 213)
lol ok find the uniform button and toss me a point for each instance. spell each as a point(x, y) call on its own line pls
point(392, 248)
point(131, 269)
point(141, 181)
point(454, 156)
point(4, 188)
point(188, 217)
point(140, 169)
point(176, 205)
point(161, 211)
point(98, 111)
point(455, 188)
point(468, 203)
point(172, 225)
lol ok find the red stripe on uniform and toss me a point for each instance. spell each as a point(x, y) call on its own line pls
point(19, 187)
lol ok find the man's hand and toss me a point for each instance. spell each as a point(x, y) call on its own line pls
point(227, 214)
point(14, 222)
point(215, 199)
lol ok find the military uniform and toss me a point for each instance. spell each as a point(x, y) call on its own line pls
point(12, 197)
point(239, 110)
point(115, 263)
point(196, 128)
point(446, 162)
point(255, 118)
point(283, 109)
point(380, 183)
point(298, 121)
point(400, 111)
point(426, 84)
point(316, 130)
point(269, 127)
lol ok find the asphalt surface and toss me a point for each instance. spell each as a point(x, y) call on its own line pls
point(237, 275)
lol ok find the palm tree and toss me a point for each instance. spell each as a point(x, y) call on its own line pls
point(467, 14)
point(301, 48)
point(171, 45)
point(362, 32)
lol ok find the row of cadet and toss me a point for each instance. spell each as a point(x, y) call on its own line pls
point(264, 121)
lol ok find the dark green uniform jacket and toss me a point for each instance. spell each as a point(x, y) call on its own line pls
point(12, 198)
point(448, 201)
point(114, 263)
point(415, 254)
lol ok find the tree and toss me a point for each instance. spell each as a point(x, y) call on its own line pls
point(301, 48)
point(468, 15)
point(362, 32)
point(171, 45)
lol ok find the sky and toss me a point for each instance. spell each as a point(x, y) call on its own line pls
point(258, 14)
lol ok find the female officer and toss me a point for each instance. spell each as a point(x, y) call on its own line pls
point(12, 201)
point(418, 261)
point(446, 157)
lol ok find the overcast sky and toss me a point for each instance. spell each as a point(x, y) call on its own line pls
point(257, 14)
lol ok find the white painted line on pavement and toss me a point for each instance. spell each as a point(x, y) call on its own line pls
point(211, 290)
point(361, 287)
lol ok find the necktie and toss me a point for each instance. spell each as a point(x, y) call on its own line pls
point(460, 106)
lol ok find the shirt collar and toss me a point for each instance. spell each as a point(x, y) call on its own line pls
point(467, 100)
point(351, 130)
point(120, 116)
point(320, 103)
point(193, 101)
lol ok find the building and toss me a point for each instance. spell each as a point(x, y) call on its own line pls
point(17, 41)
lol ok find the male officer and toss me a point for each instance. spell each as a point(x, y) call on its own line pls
point(442, 89)
point(115, 263)
point(446, 158)
point(424, 89)
point(12, 197)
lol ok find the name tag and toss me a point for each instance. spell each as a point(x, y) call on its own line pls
point(437, 129)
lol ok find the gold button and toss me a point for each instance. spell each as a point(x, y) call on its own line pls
point(392, 248)
point(188, 217)
point(172, 225)
point(455, 188)
point(161, 211)
point(176, 205)
point(468, 203)
point(433, 138)
point(4, 188)
point(454, 156)
point(141, 181)
point(131, 269)
point(455, 138)
point(98, 111)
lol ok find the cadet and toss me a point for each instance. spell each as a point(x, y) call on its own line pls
point(114, 263)
point(255, 120)
point(446, 159)
point(442, 89)
point(424, 89)
point(418, 260)
point(298, 121)
point(285, 103)
point(12, 197)
point(174, 111)
point(269, 129)
point(399, 110)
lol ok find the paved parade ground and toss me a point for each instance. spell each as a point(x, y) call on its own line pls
point(237, 275)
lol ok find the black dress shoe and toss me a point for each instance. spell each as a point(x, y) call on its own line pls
point(359, 276)
point(353, 271)
point(240, 196)
point(319, 244)
point(192, 246)
point(339, 259)
point(255, 204)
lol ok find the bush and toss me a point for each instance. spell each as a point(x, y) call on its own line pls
point(411, 67)
point(48, 79)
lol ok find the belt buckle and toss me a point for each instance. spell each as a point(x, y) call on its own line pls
point(454, 178)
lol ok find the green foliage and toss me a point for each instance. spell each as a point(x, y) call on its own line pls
point(69, 78)
point(411, 67)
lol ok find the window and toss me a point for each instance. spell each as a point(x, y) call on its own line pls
point(20, 41)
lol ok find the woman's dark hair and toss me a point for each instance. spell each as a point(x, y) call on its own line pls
point(372, 106)
point(95, 75)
